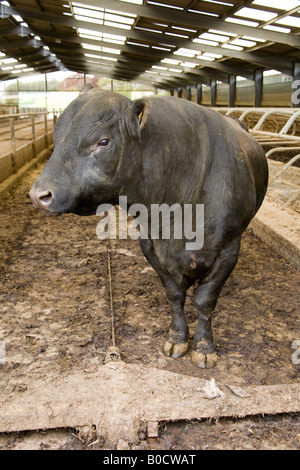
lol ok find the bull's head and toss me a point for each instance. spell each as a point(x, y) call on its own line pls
point(97, 154)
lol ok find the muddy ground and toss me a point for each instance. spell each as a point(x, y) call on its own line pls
point(55, 321)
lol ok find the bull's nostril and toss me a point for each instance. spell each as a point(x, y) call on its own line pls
point(45, 197)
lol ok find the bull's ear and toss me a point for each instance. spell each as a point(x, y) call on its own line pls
point(87, 87)
point(141, 110)
point(137, 119)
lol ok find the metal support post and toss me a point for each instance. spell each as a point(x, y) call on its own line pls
point(213, 99)
point(199, 93)
point(54, 117)
point(46, 129)
point(33, 135)
point(258, 87)
point(188, 93)
point(13, 143)
point(232, 90)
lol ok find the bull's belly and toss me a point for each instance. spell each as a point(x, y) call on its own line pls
point(185, 266)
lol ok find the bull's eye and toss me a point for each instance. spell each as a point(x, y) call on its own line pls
point(103, 143)
point(94, 149)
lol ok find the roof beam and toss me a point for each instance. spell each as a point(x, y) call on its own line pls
point(6, 76)
point(262, 60)
point(138, 35)
point(8, 30)
point(195, 20)
point(42, 64)
point(211, 74)
point(113, 71)
point(171, 82)
point(157, 57)
point(281, 64)
point(139, 58)
point(140, 64)
point(132, 69)
point(25, 42)
point(134, 72)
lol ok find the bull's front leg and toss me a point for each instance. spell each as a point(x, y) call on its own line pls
point(176, 344)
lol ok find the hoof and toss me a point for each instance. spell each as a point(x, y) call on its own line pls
point(175, 349)
point(203, 361)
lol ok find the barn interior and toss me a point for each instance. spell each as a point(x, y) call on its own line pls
point(64, 294)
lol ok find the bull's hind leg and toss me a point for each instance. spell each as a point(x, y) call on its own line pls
point(177, 343)
point(206, 296)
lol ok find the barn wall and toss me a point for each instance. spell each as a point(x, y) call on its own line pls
point(23, 155)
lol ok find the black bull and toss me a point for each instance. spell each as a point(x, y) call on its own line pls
point(161, 151)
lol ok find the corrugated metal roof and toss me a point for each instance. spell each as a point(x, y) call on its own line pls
point(168, 43)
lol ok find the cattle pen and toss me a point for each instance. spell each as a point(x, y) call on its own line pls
point(82, 320)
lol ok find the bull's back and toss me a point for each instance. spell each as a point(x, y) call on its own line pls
point(204, 152)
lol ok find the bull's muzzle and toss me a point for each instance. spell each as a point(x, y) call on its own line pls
point(41, 199)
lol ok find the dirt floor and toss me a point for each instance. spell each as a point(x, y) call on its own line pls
point(55, 321)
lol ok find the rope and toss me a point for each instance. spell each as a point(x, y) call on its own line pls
point(113, 338)
point(113, 352)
